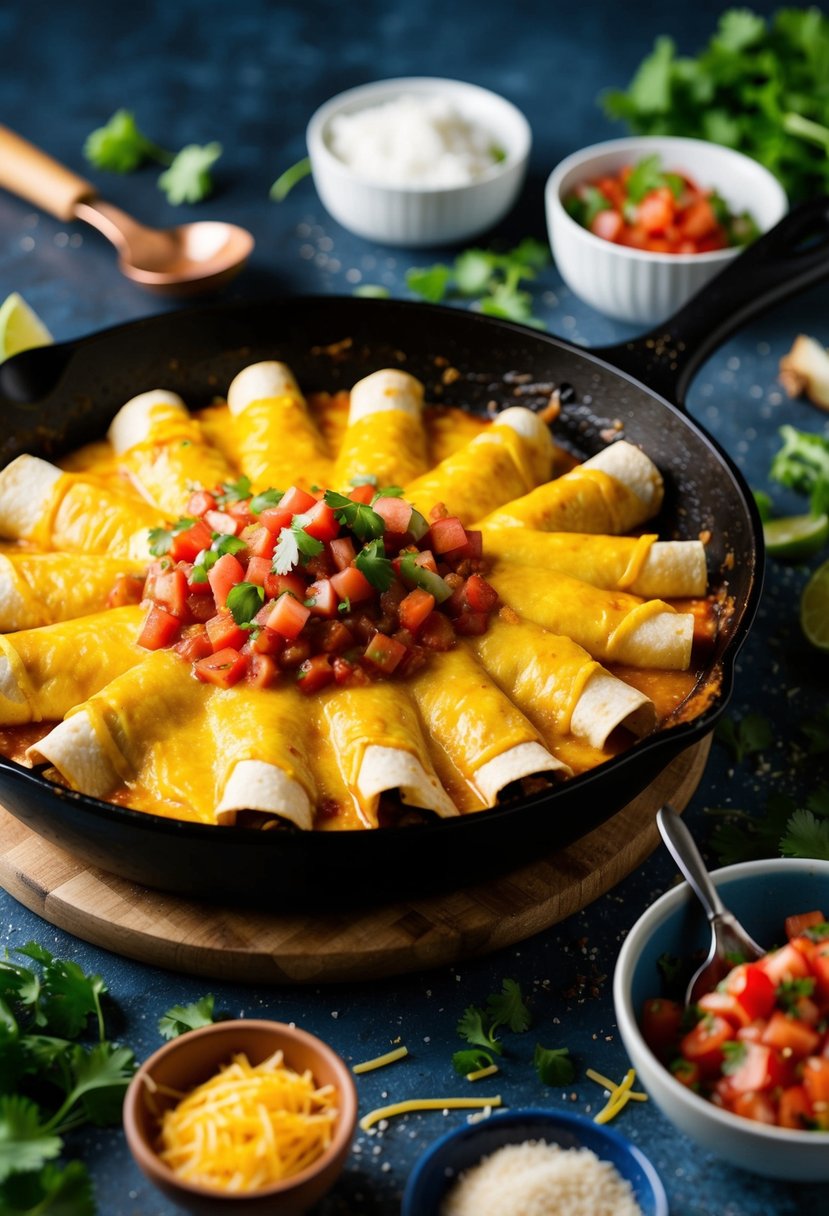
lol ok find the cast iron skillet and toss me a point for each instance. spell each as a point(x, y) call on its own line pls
point(57, 398)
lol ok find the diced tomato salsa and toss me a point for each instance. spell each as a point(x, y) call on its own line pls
point(758, 1045)
point(661, 212)
point(339, 588)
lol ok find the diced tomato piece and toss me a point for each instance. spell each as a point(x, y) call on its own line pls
point(426, 560)
point(758, 1107)
point(363, 494)
point(471, 624)
point(816, 1079)
point(262, 670)
point(703, 1045)
point(223, 522)
point(266, 641)
point(753, 1032)
point(758, 1069)
point(794, 1109)
point(275, 519)
point(223, 631)
point(288, 616)
point(786, 1033)
point(698, 220)
point(276, 584)
point(159, 630)
point(295, 651)
point(335, 636)
point(724, 1005)
point(709, 244)
point(324, 596)
point(200, 604)
point(660, 1024)
point(752, 988)
point(787, 963)
point(608, 224)
point(296, 501)
point(200, 501)
point(447, 534)
point(796, 925)
point(315, 674)
point(321, 523)
point(395, 512)
point(194, 585)
point(806, 1010)
point(127, 589)
point(342, 551)
point(224, 668)
point(344, 670)
point(415, 608)
point(194, 645)
point(656, 211)
point(384, 653)
point(473, 548)
point(480, 595)
point(258, 570)
point(351, 584)
point(241, 512)
point(820, 970)
point(170, 592)
point(226, 573)
point(260, 541)
point(437, 632)
point(188, 544)
point(613, 190)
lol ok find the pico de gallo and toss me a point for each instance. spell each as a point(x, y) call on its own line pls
point(322, 587)
point(646, 208)
point(758, 1045)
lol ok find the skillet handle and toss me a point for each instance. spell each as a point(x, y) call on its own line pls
point(794, 255)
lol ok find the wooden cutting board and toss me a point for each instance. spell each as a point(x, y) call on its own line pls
point(304, 948)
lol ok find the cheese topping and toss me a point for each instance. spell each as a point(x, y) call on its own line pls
point(390, 1057)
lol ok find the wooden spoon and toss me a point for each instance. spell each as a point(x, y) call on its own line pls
point(184, 260)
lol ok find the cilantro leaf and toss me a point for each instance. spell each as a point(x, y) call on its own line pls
point(471, 1027)
point(507, 302)
point(817, 933)
point(554, 1065)
point(373, 563)
point(744, 736)
point(743, 837)
point(465, 1062)
point(244, 601)
point(234, 491)
point(181, 1018)
point(25, 1143)
point(286, 553)
point(473, 271)
point(806, 836)
point(50, 1192)
point(364, 522)
point(734, 1053)
point(307, 545)
point(645, 176)
point(120, 147)
point(292, 176)
point(100, 1077)
point(430, 283)
point(507, 1008)
point(802, 462)
point(188, 178)
point(789, 992)
point(765, 506)
point(268, 498)
point(161, 539)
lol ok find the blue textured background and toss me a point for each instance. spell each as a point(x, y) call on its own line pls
point(249, 74)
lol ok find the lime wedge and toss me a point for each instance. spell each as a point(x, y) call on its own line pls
point(20, 328)
point(814, 608)
point(796, 535)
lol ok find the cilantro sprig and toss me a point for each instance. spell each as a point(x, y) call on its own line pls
point(233, 491)
point(789, 992)
point(784, 828)
point(504, 1008)
point(120, 147)
point(373, 563)
point(488, 278)
point(161, 539)
point(554, 1065)
point(292, 542)
point(268, 498)
point(181, 1018)
point(361, 519)
point(244, 601)
point(746, 736)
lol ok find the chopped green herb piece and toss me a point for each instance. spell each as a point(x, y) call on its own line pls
point(789, 992)
point(554, 1065)
point(744, 736)
point(430, 283)
point(806, 836)
point(161, 539)
point(188, 178)
point(292, 176)
point(244, 601)
point(465, 1062)
point(365, 523)
point(120, 147)
point(344, 606)
point(181, 1018)
point(286, 554)
point(472, 1028)
point(234, 491)
point(817, 933)
point(307, 545)
point(734, 1053)
point(507, 1008)
point(268, 498)
point(372, 562)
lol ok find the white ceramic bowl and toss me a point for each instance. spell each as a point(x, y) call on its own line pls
point(632, 284)
point(417, 216)
point(761, 894)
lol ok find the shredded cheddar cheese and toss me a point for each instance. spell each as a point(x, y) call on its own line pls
point(479, 1073)
point(390, 1057)
point(403, 1108)
point(248, 1126)
point(619, 1095)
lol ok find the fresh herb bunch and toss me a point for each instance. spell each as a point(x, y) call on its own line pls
point(759, 86)
point(53, 1079)
point(120, 147)
point(490, 279)
point(802, 464)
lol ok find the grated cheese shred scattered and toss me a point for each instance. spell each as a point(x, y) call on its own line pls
point(249, 1126)
point(410, 1104)
point(619, 1095)
point(390, 1057)
point(479, 1073)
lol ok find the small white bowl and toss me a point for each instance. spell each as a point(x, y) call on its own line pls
point(761, 894)
point(632, 284)
point(417, 216)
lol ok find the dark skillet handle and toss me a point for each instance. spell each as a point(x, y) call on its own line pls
point(794, 255)
point(28, 377)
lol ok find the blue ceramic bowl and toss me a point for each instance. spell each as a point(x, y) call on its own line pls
point(761, 894)
point(436, 1171)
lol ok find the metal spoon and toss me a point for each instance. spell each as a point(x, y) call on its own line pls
point(728, 937)
point(184, 260)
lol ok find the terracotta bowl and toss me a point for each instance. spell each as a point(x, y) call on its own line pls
point(194, 1057)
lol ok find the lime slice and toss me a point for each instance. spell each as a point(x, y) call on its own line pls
point(814, 608)
point(20, 328)
point(796, 535)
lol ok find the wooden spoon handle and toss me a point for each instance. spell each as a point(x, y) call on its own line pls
point(31, 174)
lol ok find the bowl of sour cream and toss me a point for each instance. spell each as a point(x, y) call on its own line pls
point(418, 161)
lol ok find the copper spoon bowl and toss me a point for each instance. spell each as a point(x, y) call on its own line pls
point(184, 260)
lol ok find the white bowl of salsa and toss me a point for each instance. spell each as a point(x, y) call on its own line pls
point(644, 285)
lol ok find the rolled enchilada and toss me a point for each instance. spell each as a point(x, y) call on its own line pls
point(162, 448)
point(642, 565)
point(277, 442)
point(44, 588)
point(614, 491)
point(385, 437)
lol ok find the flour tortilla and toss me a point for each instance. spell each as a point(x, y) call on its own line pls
point(26, 488)
point(133, 422)
point(388, 389)
point(45, 588)
point(260, 382)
